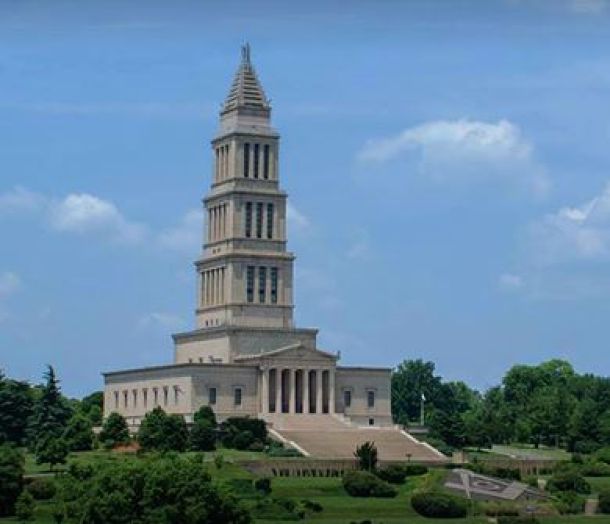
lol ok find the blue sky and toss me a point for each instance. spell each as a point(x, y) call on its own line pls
point(446, 161)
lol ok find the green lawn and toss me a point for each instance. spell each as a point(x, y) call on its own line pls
point(599, 483)
point(338, 507)
point(526, 451)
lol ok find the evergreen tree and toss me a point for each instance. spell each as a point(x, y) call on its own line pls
point(16, 403)
point(51, 450)
point(25, 506)
point(51, 412)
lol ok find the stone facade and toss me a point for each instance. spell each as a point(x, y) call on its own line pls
point(246, 357)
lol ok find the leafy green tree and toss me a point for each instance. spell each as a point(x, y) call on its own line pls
point(584, 423)
point(114, 431)
point(11, 478)
point(92, 406)
point(16, 403)
point(51, 450)
point(410, 380)
point(205, 413)
point(25, 506)
point(163, 432)
point(79, 433)
point(203, 436)
point(51, 412)
point(366, 454)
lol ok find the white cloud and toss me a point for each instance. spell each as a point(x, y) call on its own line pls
point(296, 219)
point(161, 320)
point(574, 233)
point(464, 149)
point(186, 236)
point(587, 6)
point(84, 213)
point(510, 282)
point(9, 284)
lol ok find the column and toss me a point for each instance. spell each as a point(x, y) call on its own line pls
point(203, 289)
point(265, 390)
point(319, 403)
point(292, 388)
point(278, 390)
point(331, 391)
point(305, 391)
point(209, 225)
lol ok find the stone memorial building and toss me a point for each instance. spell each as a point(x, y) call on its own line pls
point(246, 357)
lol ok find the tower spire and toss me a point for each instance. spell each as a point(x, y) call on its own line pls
point(246, 90)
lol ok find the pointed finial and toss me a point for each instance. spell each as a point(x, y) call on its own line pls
point(245, 54)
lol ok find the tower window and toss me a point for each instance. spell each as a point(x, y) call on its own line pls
point(262, 284)
point(274, 285)
point(347, 398)
point(246, 160)
point(269, 220)
point(259, 220)
point(217, 163)
point(250, 284)
point(212, 396)
point(237, 396)
point(256, 162)
point(248, 219)
point(266, 162)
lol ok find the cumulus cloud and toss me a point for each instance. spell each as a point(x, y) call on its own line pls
point(574, 233)
point(186, 236)
point(510, 282)
point(464, 150)
point(296, 219)
point(84, 213)
point(76, 213)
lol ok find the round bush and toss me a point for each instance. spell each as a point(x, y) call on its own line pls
point(414, 470)
point(568, 480)
point(42, 489)
point(604, 501)
point(263, 485)
point(365, 484)
point(439, 505)
point(393, 474)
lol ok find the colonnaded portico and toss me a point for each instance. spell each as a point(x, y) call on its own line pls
point(246, 357)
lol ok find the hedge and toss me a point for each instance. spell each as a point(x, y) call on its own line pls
point(435, 504)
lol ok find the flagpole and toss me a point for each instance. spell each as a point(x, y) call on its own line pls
point(421, 410)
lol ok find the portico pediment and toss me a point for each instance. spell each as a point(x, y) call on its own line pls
point(293, 354)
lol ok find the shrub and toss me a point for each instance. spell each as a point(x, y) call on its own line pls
point(277, 449)
point(42, 489)
point(595, 469)
point(311, 505)
point(242, 440)
point(79, 433)
point(51, 450)
point(500, 509)
point(569, 503)
point(568, 480)
point(586, 447)
point(25, 505)
point(162, 432)
point(603, 455)
point(438, 505)
point(242, 432)
point(604, 501)
point(365, 484)
point(393, 474)
point(414, 470)
point(263, 485)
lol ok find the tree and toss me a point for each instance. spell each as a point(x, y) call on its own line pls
point(203, 436)
point(366, 454)
point(25, 506)
point(410, 380)
point(11, 478)
point(51, 412)
point(163, 432)
point(52, 450)
point(205, 413)
point(79, 433)
point(114, 431)
point(16, 402)
point(92, 406)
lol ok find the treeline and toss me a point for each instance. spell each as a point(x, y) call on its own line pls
point(547, 404)
point(42, 419)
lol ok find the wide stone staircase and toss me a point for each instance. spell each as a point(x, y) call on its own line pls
point(334, 437)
